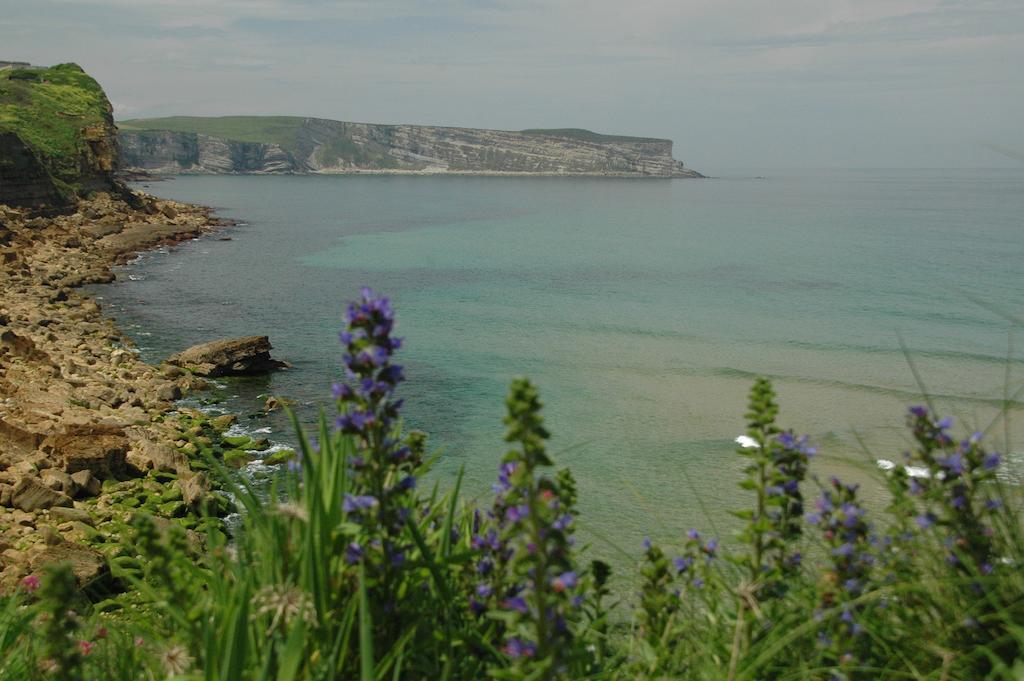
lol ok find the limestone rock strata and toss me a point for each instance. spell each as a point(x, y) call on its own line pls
point(86, 433)
point(233, 356)
point(327, 146)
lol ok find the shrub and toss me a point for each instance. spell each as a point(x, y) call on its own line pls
point(345, 568)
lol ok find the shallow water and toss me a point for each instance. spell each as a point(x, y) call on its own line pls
point(643, 309)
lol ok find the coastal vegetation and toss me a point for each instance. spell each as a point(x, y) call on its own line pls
point(351, 566)
point(62, 115)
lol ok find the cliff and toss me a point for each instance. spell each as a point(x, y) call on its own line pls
point(280, 144)
point(57, 136)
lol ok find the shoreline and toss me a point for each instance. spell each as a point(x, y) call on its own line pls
point(89, 433)
point(143, 175)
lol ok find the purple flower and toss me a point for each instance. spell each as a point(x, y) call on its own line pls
point(566, 580)
point(562, 523)
point(484, 590)
point(514, 514)
point(925, 521)
point(353, 504)
point(353, 553)
point(516, 648)
point(693, 535)
point(991, 461)
point(515, 603)
point(374, 355)
point(845, 549)
point(682, 564)
point(954, 463)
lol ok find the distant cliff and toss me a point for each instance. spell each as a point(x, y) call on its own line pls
point(57, 135)
point(281, 144)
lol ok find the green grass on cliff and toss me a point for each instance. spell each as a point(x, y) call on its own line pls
point(282, 130)
point(582, 135)
point(48, 108)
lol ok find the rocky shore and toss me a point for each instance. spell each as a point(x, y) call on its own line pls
point(89, 433)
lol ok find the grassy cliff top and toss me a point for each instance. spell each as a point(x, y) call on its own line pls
point(586, 135)
point(283, 129)
point(48, 108)
point(265, 129)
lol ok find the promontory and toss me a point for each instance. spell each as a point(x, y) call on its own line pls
point(286, 144)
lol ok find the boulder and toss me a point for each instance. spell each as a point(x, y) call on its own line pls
point(30, 494)
point(59, 481)
point(88, 484)
point(63, 514)
point(87, 565)
point(148, 456)
point(95, 447)
point(194, 490)
point(235, 356)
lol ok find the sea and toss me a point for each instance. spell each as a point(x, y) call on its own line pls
point(643, 309)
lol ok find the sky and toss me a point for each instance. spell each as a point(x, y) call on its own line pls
point(735, 83)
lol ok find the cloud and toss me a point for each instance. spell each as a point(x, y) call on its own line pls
point(732, 81)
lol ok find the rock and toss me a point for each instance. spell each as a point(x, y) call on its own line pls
point(50, 536)
point(236, 356)
point(279, 457)
point(168, 211)
point(223, 422)
point(148, 456)
point(59, 481)
point(93, 447)
point(13, 557)
point(87, 565)
point(88, 484)
point(404, 148)
point(5, 494)
point(169, 392)
point(30, 494)
point(236, 458)
point(194, 490)
point(71, 515)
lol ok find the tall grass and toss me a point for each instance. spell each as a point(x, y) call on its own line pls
point(348, 570)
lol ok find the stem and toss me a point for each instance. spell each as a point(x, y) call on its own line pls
point(540, 578)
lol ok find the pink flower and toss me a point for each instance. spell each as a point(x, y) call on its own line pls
point(31, 583)
point(86, 647)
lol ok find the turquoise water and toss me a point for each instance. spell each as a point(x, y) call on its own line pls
point(642, 308)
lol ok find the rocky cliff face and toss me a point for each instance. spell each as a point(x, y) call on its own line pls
point(57, 136)
point(24, 180)
point(325, 146)
point(164, 152)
